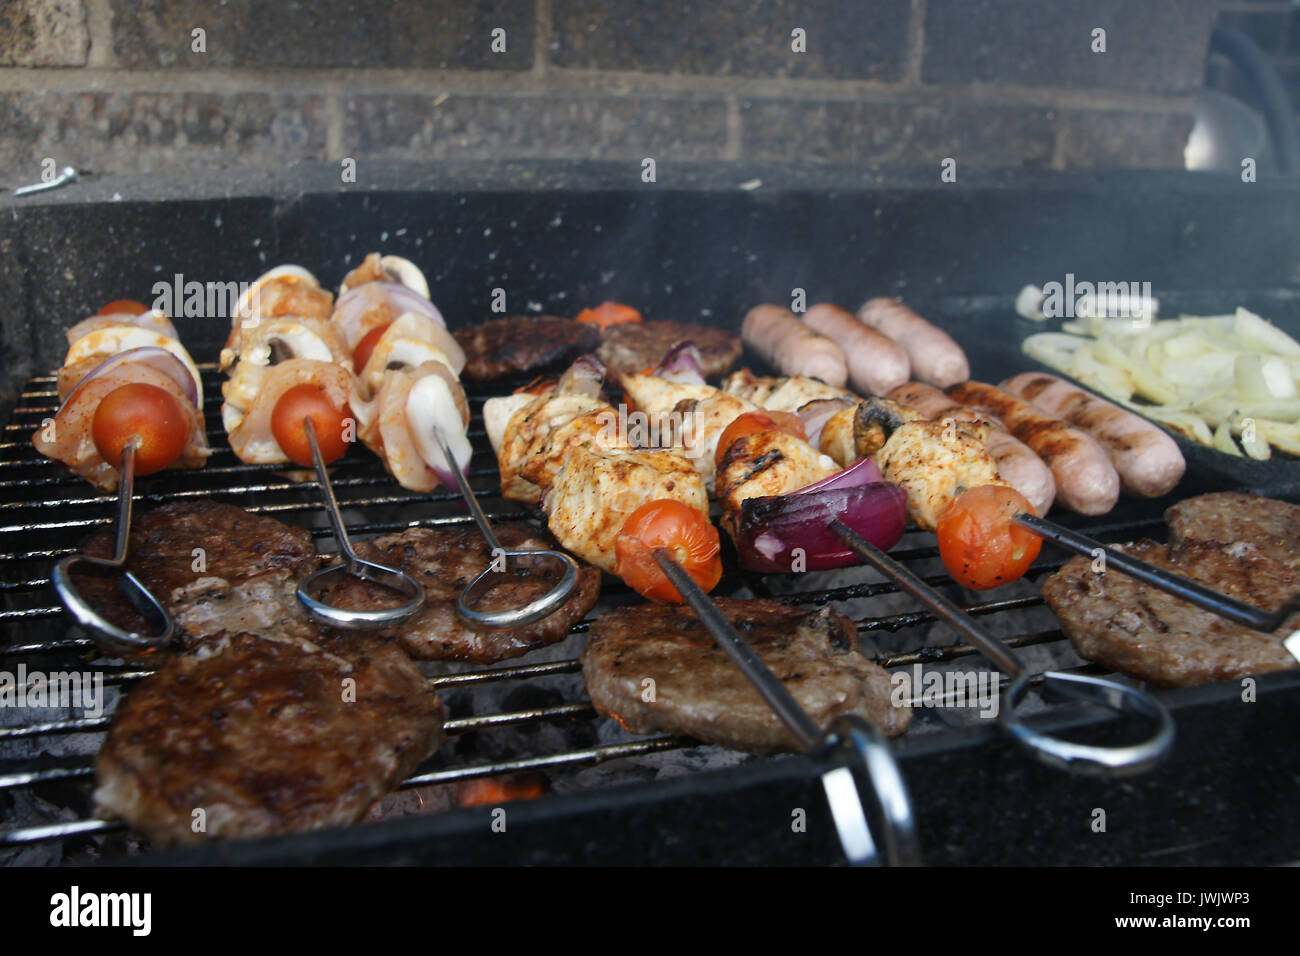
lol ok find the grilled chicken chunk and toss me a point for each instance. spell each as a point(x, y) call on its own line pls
point(596, 490)
point(699, 692)
point(541, 433)
point(690, 417)
point(265, 734)
point(633, 346)
point(781, 394)
point(934, 463)
point(518, 344)
point(445, 561)
point(768, 462)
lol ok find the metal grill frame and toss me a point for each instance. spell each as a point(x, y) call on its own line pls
point(58, 489)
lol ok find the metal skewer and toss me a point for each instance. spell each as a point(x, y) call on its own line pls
point(891, 805)
point(1193, 592)
point(535, 609)
point(111, 638)
point(1127, 759)
point(311, 586)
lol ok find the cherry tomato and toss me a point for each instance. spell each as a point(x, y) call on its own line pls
point(291, 412)
point(980, 545)
point(609, 313)
point(751, 422)
point(127, 306)
point(147, 411)
point(366, 347)
point(687, 533)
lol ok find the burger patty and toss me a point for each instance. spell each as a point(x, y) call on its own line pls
point(1231, 518)
point(522, 343)
point(633, 346)
point(265, 735)
point(697, 690)
point(445, 561)
point(1119, 622)
point(216, 546)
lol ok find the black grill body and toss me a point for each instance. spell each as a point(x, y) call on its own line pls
point(557, 237)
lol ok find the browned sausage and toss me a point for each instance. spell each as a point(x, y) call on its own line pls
point(791, 347)
point(1086, 481)
point(936, 359)
point(876, 362)
point(1016, 461)
point(1149, 462)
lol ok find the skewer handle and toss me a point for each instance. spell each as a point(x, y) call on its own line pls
point(112, 639)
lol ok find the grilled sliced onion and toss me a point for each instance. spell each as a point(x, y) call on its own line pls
point(771, 528)
point(817, 413)
point(681, 365)
point(583, 377)
point(159, 358)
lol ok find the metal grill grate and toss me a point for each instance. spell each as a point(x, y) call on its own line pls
point(45, 512)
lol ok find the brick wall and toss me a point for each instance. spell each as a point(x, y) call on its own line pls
point(117, 86)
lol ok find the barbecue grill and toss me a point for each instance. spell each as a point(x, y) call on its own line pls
point(557, 236)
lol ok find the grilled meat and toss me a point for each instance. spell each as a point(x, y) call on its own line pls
point(699, 692)
point(445, 561)
point(1240, 545)
point(190, 552)
point(540, 434)
point(934, 462)
point(265, 735)
point(763, 464)
point(522, 343)
point(1247, 523)
point(596, 490)
point(633, 346)
point(690, 417)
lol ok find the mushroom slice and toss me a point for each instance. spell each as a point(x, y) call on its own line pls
point(377, 268)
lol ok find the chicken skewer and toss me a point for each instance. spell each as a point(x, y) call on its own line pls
point(287, 402)
point(131, 406)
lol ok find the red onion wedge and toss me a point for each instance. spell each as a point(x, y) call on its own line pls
point(771, 528)
point(159, 358)
point(861, 472)
point(681, 365)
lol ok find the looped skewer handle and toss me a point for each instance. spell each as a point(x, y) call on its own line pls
point(890, 805)
point(1193, 592)
point(1087, 758)
point(1121, 698)
point(890, 802)
point(502, 559)
point(111, 638)
point(394, 579)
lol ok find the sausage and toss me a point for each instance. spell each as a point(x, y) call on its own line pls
point(1149, 462)
point(936, 359)
point(1016, 462)
point(791, 347)
point(876, 362)
point(1086, 481)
